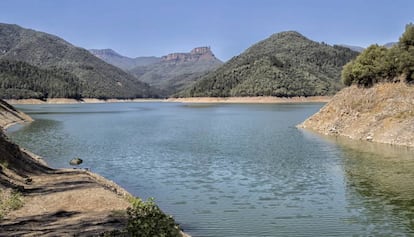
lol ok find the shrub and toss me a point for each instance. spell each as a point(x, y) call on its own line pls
point(378, 64)
point(145, 218)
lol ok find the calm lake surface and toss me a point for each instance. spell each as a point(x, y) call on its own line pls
point(233, 170)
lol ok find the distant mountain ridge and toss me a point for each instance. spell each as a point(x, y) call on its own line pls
point(97, 79)
point(176, 71)
point(286, 64)
point(390, 44)
point(358, 49)
point(123, 62)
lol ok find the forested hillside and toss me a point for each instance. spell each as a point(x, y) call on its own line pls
point(286, 64)
point(20, 80)
point(96, 78)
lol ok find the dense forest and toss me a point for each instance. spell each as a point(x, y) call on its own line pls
point(20, 80)
point(379, 64)
point(286, 64)
point(96, 78)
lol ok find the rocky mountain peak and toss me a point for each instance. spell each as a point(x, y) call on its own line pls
point(196, 54)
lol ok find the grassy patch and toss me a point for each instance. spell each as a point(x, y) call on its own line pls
point(9, 201)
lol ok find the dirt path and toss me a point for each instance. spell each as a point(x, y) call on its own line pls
point(67, 203)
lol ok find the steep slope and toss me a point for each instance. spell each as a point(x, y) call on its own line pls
point(285, 64)
point(383, 113)
point(178, 70)
point(123, 62)
point(98, 79)
point(9, 115)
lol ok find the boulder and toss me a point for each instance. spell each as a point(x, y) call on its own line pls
point(76, 161)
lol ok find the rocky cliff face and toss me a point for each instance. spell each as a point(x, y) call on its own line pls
point(176, 71)
point(383, 113)
point(199, 53)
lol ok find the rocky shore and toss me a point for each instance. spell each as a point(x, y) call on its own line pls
point(383, 113)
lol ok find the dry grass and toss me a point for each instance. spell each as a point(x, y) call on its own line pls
point(10, 200)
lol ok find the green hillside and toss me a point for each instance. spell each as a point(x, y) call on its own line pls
point(97, 79)
point(286, 64)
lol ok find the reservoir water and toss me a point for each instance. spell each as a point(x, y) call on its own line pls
point(233, 170)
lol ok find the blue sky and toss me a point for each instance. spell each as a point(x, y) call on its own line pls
point(158, 27)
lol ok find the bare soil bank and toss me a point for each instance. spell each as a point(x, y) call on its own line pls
point(235, 100)
point(9, 115)
point(252, 100)
point(383, 113)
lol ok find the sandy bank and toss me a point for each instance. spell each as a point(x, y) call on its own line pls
point(252, 100)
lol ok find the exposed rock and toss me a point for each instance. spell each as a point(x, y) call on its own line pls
point(199, 53)
point(176, 71)
point(76, 161)
point(383, 113)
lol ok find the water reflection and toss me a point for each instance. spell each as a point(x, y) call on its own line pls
point(379, 185)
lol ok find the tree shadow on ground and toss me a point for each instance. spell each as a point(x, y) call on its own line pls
point(61, 223)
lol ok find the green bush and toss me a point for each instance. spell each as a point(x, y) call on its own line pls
point(146, 219)
point(379, 64)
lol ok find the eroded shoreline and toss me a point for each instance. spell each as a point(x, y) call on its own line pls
point(228, 100)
